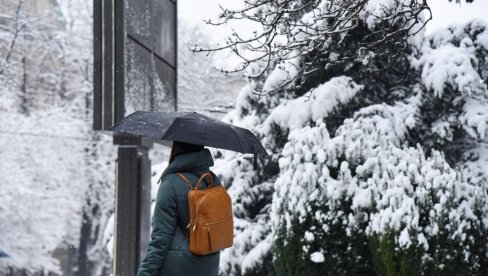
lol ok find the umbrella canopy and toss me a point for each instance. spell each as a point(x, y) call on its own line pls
point(190, 127)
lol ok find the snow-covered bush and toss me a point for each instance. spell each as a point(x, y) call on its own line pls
point(378, 165)
point(367, 204)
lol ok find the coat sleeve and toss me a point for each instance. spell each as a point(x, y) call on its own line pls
point(164, 226)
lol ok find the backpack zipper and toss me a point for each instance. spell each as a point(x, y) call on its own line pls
point(216, 222)
point(198, 207)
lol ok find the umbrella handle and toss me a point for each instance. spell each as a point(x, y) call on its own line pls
point(202, 177)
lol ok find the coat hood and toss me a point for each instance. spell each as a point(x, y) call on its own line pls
point(193, 162)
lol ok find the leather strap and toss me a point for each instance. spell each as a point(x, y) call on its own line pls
point(187, 182)
point(202, 177)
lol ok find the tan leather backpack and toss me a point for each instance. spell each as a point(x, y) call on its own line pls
point(210, 214)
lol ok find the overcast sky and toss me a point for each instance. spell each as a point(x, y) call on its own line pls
point(444, 13)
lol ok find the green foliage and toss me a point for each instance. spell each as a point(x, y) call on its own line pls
point(345, 251)
point(389, 261)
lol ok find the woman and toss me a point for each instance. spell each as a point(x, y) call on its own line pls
point(168, 253)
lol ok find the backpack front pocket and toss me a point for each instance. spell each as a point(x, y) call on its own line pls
point(220, 234)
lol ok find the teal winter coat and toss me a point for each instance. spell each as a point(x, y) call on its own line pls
point(168, 253)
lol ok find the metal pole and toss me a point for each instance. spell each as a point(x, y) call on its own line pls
point(133, 199)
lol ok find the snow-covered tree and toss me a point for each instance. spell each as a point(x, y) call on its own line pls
point(201, 88)
point(378, 154)
point(56, 174)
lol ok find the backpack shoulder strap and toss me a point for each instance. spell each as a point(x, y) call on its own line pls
point(185, 179)
point(202, 177)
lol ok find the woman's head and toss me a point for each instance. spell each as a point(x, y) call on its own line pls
point(182, 148)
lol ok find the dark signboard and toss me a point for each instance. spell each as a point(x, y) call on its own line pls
point(134, 69)
point(134, 58)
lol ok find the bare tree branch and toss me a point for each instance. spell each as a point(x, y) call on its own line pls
point(315, 32)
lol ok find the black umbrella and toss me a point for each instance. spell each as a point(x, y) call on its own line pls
point(191, 127)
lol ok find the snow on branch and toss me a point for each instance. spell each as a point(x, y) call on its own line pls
point(316, 32)
point(315, 105)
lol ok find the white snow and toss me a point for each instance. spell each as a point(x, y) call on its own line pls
point(108, 236)
point(374, 10)
point(317, 257)
point(255, 256)
point(450, 65)
point(286, 70)
point(315, 105)
point(475, 118)
point(309, 236)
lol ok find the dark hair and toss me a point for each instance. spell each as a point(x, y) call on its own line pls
point(183, 147)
